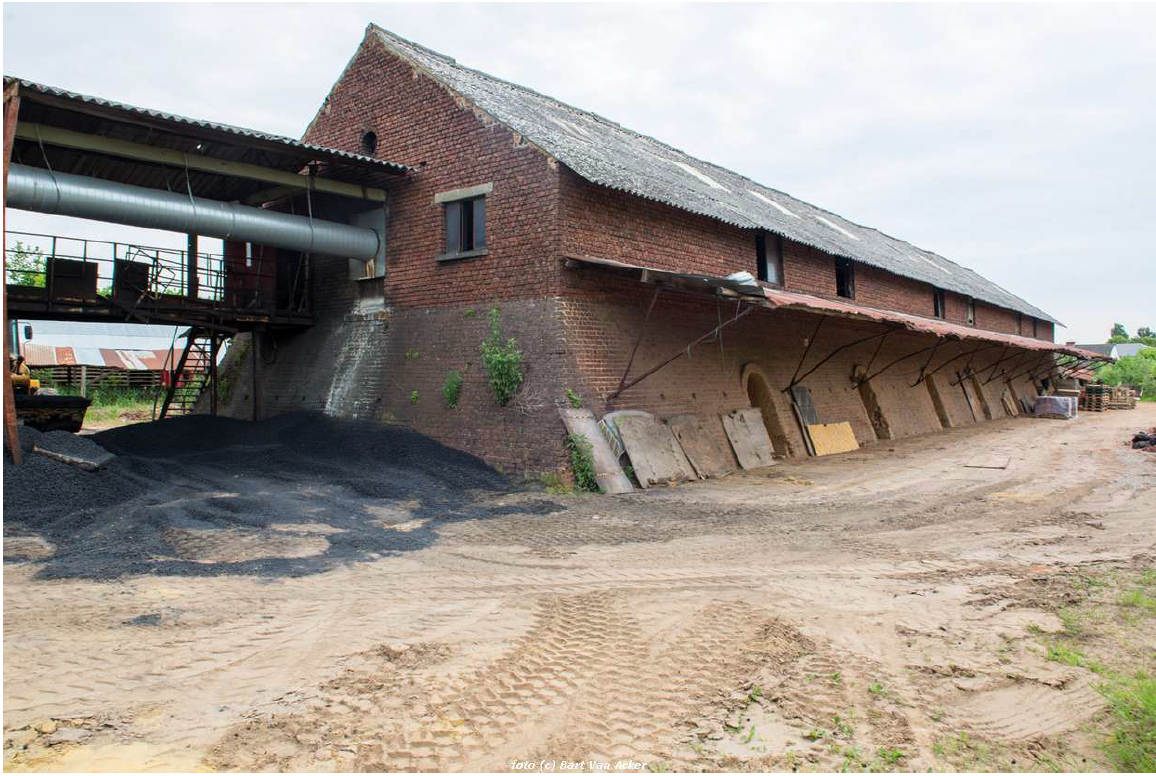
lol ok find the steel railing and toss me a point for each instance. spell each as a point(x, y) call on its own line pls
point(240, 282)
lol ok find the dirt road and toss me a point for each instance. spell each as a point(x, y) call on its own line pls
point(853, 611)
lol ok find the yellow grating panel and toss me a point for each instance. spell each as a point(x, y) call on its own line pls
point(830, 438)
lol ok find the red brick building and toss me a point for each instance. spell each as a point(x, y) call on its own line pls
point(569, 223)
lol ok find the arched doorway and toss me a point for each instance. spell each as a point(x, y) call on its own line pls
point(757, 386)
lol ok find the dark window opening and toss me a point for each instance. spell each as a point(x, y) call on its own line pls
point(1019, 323)
point(970, 312)
point(769, 254)
point(465, 226)
point(940, 303)
point(368, 143)
point(845, 278)
point(1036, 327)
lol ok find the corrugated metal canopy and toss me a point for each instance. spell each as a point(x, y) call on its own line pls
point(51, 106)
point(611, 155)
point(775, 299)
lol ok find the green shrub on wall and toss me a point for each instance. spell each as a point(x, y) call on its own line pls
point(452, 388)
point(503, 361)
point(582, 462)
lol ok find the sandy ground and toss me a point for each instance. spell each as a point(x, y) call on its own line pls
point(851, 611)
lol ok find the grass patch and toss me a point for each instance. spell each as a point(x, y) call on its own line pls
point(1070, 656)
point(1073, 622)
point(1110, 633)
point(1138, 599)
point(114, 403)
point(553, 482)
point(582, 462)
point(1132, 745)
point(967, 753)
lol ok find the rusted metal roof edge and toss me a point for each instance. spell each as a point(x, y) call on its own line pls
point(792, 300)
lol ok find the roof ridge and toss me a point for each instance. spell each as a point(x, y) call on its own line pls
point(520, 87)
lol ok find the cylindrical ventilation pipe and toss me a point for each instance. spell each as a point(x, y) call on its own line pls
point(36, 189)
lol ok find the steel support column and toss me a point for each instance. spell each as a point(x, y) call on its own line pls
point(193, 286)
point(214, 346)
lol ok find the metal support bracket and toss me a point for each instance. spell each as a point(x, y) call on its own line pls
point(800, 378)
point(869, 377)
point(637, 342)
point(625, 385)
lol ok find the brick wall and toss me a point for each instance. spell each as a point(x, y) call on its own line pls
point(605, 223)
point(420, 124)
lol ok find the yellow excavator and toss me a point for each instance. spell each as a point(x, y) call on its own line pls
point(42, 408)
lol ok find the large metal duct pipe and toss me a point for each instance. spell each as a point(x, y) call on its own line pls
point(36, 189)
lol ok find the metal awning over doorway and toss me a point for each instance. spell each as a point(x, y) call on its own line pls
point(749, 295)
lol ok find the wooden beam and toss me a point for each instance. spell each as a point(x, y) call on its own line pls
point(66, 138)
point(11, 111)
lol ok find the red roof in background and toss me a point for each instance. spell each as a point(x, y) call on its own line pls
point(37, 356)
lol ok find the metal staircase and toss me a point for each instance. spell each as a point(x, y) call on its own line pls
point(186, 379)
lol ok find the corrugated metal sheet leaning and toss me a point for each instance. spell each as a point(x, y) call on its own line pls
point(608, 154)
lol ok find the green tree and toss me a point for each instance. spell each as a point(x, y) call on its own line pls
point(1118, 330)
point(26, 266)
point(1144, 333)
point(1138, 371)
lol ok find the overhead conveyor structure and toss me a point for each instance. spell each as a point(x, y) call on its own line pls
point(278, 204)
point(56, 193)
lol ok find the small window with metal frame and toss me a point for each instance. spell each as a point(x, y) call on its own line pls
point(769, 257)
point(940, 303)
point(845, 278)
point(465, 222)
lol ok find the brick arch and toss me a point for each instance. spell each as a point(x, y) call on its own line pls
point(757, 388)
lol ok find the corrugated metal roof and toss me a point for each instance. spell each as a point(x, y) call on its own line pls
point(39, 355)
point(241, 132)
point(608, 154)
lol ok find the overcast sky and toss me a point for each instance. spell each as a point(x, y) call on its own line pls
point(1017, 140)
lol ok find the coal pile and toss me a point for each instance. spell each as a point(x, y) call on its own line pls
point(296, 494)
point(1145, 440)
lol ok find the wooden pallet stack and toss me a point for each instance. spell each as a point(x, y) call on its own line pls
point(1121, 398)
point(1095, 398)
